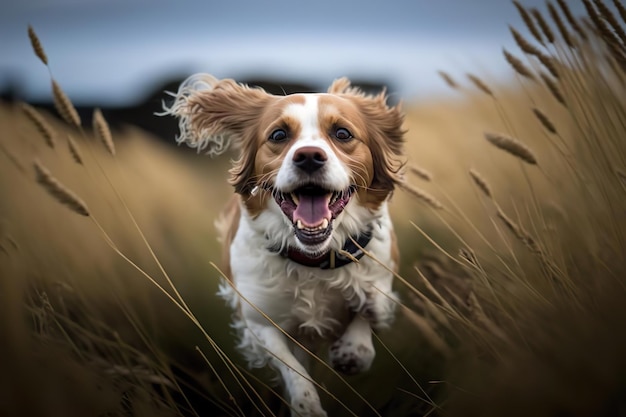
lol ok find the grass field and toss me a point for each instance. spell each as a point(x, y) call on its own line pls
point(512, 227)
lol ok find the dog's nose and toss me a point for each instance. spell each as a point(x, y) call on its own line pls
point(309, 158)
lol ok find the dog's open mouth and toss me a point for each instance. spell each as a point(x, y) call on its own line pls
point(311, 209)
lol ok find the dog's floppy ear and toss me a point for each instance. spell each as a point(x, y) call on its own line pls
point(215, 114)
point(386, 135)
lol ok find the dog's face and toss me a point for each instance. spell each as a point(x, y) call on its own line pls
point(309, 154)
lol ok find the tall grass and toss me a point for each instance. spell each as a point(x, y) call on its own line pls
point(513, 250)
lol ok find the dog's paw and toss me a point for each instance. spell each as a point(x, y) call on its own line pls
point(351, 357)
point(307, 404)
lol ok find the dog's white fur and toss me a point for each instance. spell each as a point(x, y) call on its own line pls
point(312, 305)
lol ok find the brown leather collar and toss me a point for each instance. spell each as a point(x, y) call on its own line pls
point(351, 252)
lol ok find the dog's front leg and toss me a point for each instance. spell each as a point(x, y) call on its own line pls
point(303, 396)
point(353, 352)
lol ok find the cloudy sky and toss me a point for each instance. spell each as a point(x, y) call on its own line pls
point(114, 51)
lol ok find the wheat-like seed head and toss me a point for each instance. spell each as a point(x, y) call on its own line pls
point(608, 15)
point(36, 44)
point(556, 18)
point(64, 106)
point(512, 146)
point(571, 19)
point(480, 182)
point(448, 79)
point(520, 233)
point(42, 126)
point(480, 84)
point(545, 120)
point(549, 63)
point(518, 65)
point(58, 191)
point(523, 44)
point(101, 128)
point(545, 28)
point(420, 172)
point(528, 21)
point(74, 150)
point(556, 92)
point(421, 195)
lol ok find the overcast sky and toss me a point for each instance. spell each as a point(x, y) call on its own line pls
point(113, 51)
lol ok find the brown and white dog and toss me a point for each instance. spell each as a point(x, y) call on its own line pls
point(312, 180)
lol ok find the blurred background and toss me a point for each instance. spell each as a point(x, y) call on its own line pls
point(117, 53)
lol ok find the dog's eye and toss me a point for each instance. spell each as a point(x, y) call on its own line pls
point(279, 135)
point(343, 135)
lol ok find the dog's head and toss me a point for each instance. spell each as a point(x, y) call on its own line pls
point(305, 157)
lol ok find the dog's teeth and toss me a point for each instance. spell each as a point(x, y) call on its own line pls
point(324, 224)
point(299, 225)
point(295, 198)
point(254, 191)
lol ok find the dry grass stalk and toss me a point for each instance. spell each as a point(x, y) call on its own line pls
point(74, 150)
point(64, 106)
point(448, 79)
point(512, 146)
point(421, 195)
point(520, 233)
point(523, 44)
point(420, 172)
point(42, 126)
point(528, 21)
point(482, 184)
point(480, 84)
point(608, 15)
point(36, 44)
point(554, 14)
point(571, 19)
point(101, 128)
point(545, 28)
point(468, 255)
point(545, 120)
point(57, 190)
point(556, 92)
point(518, 65)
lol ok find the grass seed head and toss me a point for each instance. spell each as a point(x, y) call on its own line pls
point(480, 84)
point(571, 19)
point(64, 106)
point(421, 195)
point(74, 150)
point(556, 18)
point(102, 131)
point(545, 120)
point(40, 123)
point(528, 21)
point(545, 28)
point(448, 79)
point(512, 146)
point(480, 182)
point(36, 44)
point(58, 191)
point(518, 65)
point(554, 89)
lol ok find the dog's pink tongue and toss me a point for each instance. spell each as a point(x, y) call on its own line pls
point(312, 209)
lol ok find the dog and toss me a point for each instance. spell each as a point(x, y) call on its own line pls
point(310, 249)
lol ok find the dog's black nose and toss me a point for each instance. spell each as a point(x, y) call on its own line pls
point(309, 158)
